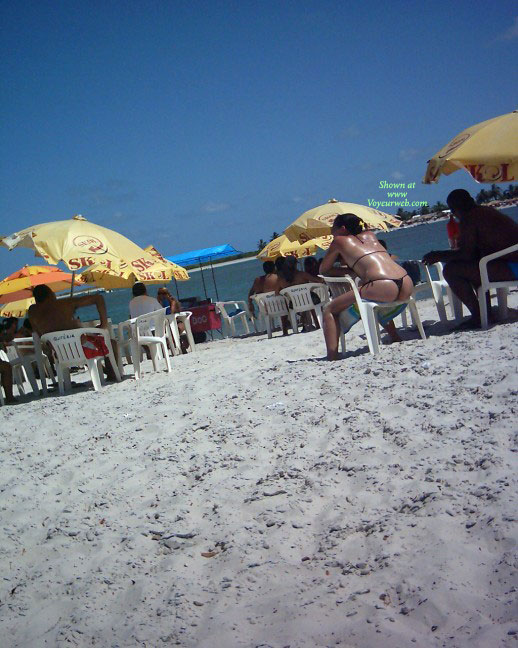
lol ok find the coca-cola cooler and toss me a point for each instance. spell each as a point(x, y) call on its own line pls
point(204, 318)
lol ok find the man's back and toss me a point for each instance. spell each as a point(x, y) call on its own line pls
point(53, 315)
point(485, 230)
point(142, 305)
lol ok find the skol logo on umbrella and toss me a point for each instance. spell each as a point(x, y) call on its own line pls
point(90, 244)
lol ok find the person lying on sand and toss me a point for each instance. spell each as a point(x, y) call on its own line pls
point(483, 230)
point(49, 314)
point(383, 280)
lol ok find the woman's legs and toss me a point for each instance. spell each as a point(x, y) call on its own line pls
point(332, 325)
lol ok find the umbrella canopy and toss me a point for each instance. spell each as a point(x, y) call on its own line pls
point(318, 221)
point(488, 151)
point(110, 279)
point(280, 246)
point(80, 244)
point(204, 254)
point(310, 247)
point(16, 308)
point(19, 284)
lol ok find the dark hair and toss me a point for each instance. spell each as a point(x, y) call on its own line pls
point(27, 324)
point(460, 199)
point(279, 262)
point(351, 222)
point(268, 267)
point(382, 242)
point(138, 289)
point(310, 263)
point(9, 321)
point(289, 268)
point(41, 293)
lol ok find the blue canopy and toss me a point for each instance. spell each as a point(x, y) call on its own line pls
point(205, 254)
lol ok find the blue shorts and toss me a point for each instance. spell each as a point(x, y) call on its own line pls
point(513, 267)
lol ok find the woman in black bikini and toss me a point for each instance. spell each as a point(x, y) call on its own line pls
point(382, 279)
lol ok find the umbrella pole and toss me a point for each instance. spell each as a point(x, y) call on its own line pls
point(177, 289)
point(72, 284)
point(203, 280)
point(214, 279)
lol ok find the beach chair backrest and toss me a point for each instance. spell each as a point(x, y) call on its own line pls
point(67, 345)
point(151, 323)
point(275, 305)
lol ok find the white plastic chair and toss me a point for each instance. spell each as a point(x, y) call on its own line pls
point(69, 353)
point(259, 319)
point(231, 311)
point(487, 285)
point(272, 306)
point(184, 317)
point(439, 287)
point(42, 362)
point(23, 353)
point(149, 330)
point(367, 309)
point(300, 301)
point(174, 319)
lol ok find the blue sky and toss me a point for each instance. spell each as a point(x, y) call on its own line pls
point(189, 124)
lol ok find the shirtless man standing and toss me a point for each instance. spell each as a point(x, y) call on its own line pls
point(49, 314)
point(483, 230)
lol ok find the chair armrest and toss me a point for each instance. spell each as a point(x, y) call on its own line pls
point(485, 260)
point(345, 279)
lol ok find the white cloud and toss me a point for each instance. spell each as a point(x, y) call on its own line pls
point(397, 175)
point(512, 32)
point(213, 208)
point(350, 132)
point(408, 154)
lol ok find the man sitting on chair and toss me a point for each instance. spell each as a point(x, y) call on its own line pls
point(49, 314)
point(483, 230)
point(142, 303)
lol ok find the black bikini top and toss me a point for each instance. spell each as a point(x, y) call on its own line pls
point(364, 255)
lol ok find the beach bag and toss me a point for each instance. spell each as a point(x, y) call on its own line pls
point(413, 270)
point(94, 346)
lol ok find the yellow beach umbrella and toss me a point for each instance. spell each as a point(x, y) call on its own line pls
point(310, 247)
point(111, 279)
point(16, 308)
point(81, 244)
point(179, 273)
point(318, 221)
point(488, 151)
point(280, 246)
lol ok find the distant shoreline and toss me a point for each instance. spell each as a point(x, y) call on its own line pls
point(427, 219)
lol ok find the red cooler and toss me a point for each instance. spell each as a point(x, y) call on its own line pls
point(204, 318)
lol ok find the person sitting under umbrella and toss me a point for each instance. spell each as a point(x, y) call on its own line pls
point(50, 314)
point(172, 305)
point(264, 283)
point(383, 280)
point(483, 230)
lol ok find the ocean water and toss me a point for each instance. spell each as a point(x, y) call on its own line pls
point(233, 281)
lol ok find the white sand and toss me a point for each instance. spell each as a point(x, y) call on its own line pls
point(259, 497)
